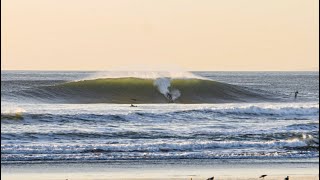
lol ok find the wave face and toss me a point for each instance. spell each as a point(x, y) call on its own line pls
point(137, 90)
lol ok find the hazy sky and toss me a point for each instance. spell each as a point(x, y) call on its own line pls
point(147, 34)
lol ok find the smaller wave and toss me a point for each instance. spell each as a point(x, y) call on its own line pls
point(159, 150)
point(305, 127)
point(156, 146)
point(12, 114)
point(307, 112)
point(260, 111)
point(61, 118)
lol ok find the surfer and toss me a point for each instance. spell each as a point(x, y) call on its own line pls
point(133, 99)
point(169, 96)
point(296, 94)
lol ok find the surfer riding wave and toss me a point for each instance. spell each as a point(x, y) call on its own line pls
point(144, 91)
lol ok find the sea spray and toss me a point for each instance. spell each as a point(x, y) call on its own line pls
point(163, 84)
point(175, 93)
point(13, 110)
point(143, 75)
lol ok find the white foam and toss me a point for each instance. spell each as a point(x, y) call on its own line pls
point(163, 85)
point(13, 110)
point(155, 146)
point(175, 94)
point(281, 111)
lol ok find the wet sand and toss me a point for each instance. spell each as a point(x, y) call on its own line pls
point(300, 169)
point(61, 177)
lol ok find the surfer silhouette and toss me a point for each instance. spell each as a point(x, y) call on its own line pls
point(132, 104)
point(296, 94)
point(169, 96)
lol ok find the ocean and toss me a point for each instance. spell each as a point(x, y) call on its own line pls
point(81, 117)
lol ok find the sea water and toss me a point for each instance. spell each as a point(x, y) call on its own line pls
point(33, 130)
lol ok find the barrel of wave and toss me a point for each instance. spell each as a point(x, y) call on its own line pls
point(137, 90)
point(115, 90)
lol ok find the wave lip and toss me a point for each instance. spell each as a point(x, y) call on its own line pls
point(137, 90)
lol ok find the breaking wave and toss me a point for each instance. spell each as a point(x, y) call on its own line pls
point(137, 90)
point(157, 150)
point(282, 111)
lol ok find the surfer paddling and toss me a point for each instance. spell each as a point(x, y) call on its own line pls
point(133, 99)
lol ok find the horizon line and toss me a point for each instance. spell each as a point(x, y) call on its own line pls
point(316, 70)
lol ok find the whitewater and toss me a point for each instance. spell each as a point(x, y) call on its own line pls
point(86, 116)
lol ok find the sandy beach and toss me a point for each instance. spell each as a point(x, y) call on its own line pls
point(164, 170)
point(60, 177)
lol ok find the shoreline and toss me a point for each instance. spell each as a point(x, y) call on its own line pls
point(179, 169)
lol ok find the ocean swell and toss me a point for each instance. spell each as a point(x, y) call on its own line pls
point(136, 90)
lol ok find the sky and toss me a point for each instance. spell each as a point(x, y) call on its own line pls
point(198, 35)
